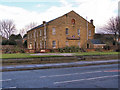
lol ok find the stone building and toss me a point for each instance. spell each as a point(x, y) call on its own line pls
point(68, 30)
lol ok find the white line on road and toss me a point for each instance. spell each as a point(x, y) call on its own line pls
point(85, 79)
point(68, 74)
point(5, 80)
point(12, 87)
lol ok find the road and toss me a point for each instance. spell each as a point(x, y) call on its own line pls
point(98, 76)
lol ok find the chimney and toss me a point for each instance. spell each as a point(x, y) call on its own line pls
point(91, 21)
point(44, 22)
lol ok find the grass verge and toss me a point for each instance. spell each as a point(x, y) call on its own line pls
point(96, 53)
point(24, 55)
point(60, 66)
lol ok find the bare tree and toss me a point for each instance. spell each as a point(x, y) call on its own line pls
point(7, 27)
point(27, 27)
point(113, 26)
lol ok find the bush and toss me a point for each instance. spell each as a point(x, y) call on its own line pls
point(107, 47)
point(98, 49)
point(69, 49)
point(5, 42)
point(12, 42)
point(8, 42)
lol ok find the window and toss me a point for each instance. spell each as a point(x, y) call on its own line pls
point(53, 31)
point(40, 44)
point(37, 45)
point(45, 30)
point(37, 33)
point(89, 33)
point(73, 36)
point(66, 31)
point(40, 33)
point(79, 44)
point(78, 31)
point(34, 33)
point(53, 44)
point(45, 44)
point(30, 46)
point(73, 21)
point(28, 36)
point(67, 44)
point(31, 35)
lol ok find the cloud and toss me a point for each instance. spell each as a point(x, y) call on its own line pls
point(65, 3)
point(98, 10)
point(39, 5)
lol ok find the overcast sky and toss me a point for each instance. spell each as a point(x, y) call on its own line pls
point(24, 12)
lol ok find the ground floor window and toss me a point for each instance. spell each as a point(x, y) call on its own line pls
point(45, 44)
point(30, 46)
point(67, 44)
point(79, 44)
point(53, 44)
point(40, 44)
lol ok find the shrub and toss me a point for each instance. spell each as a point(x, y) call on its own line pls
point(69, 49)
point(107, 47)
point(8, 42)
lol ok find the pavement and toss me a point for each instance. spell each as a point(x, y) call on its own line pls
point(98, 76)
point(57, 54)
point(15, 67)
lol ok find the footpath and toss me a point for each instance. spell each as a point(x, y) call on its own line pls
point(56, 65)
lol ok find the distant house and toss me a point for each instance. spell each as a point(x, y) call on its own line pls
point(68, 30)
point(95, 43)
point(108, 39)
point(24, 38)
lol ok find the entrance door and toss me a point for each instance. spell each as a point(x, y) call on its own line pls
point(88, 46)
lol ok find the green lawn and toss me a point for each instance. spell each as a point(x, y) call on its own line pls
point(24, 55)
point(96, 53)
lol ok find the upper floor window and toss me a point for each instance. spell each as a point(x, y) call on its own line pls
point(37, 33)
point(67, 31)
point(40, 32)
point(28, 36)
point(53, 44)
point(53, 31)
point(31, 35)
point(73, 21)
point(34, 33)
point(45, 30)
point(78, 31)
point(89, 33)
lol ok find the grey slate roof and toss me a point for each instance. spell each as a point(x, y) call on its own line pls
point(42, 24)
point(96, 41)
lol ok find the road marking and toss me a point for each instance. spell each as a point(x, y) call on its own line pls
point(12, 87)
point(112, 71)
point(85, 79)
point(5, 80)
point(68, 74)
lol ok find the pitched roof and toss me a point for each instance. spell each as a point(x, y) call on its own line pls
point(96, 41)
point(55, 19)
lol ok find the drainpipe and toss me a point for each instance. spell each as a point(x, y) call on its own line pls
point(44, 23)
point(87, 27)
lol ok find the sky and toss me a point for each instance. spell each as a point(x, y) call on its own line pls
point(23, 12)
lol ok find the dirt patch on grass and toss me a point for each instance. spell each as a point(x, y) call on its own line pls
point(62, 66)
point(66, 59)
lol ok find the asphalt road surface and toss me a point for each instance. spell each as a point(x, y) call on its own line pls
point(99, 76)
